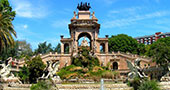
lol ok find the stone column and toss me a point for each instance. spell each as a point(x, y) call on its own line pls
point(62, 48)
point(70, 46)
point(106, 47)
point(92, 45)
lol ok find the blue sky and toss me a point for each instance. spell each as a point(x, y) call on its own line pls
point(45, 20)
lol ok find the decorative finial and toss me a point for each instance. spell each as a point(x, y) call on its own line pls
point(74, 17)
point(93, 15)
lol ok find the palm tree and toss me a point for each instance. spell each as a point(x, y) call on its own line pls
point(6, 27)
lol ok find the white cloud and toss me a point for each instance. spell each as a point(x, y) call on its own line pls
point(133, 19)
point(23, 32)
point(24, 8)
point(25, 26)
point(21, 26)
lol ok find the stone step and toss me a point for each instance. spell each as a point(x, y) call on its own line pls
point(92, 87)
point(165, 85)
point(99, 89)
point(13, 88)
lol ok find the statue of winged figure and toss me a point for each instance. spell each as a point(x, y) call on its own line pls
point(5, 72)
point(135, 68)
point(51, 69)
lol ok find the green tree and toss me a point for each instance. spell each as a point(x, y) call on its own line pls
point(36, 67)
point(43, 48)
point(141, 49)
point(58, 48)
point(123, 43)
point(6, 26)
point(10, 51)
point(19, 50)
point(24, 48)
point(160, 51)
point(24, 74)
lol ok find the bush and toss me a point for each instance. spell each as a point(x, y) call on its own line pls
point(143, 84)
point(84, 59)
point(36, 67)
point(65, 71)
point(41, 85)
point(149, 85)
point(24, 74)
point(108, 75)
point(135, 83)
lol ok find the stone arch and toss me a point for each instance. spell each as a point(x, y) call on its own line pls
point(66, 48)
point(88, 35)
point(115, 66)
point(84, 34)
point(102, 47)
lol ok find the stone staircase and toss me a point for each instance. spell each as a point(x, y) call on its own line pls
point(120, 86)
point(165, 85)
point(16, 87)
point(92, 87)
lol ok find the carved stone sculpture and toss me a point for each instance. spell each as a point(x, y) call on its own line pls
point(166, 77)
point(84, 42)
point(51, 69)
point(135, 68)
point(84, 6)
point(6, 75)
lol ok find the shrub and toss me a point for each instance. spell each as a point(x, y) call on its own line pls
point(96, 78)
point(97, 68)
point(84, 59)
point(76, 69)
point(70, 72)
point(108, 75)
point(135, 83)
point(24, 74)
point(41, 85)
point(72, 75)
point(65, 71)
point(149, 85)
point(36, 67)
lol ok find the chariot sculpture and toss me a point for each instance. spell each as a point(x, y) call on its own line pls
point(83, 6)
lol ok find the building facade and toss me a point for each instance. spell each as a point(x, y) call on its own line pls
point(84, 24)
point(149, 39)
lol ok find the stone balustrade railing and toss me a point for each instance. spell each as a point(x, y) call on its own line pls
point(145, 58)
